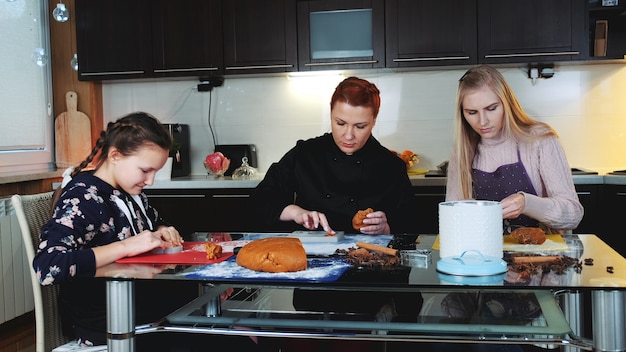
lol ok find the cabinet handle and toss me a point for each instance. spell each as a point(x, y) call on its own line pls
point(230, 196)
point(432, 58)
point(429, 194)
point(620, 194)
point(257, 67)
point(341, 63)
point(176, 195)
point(111, 73)
point(583, 193)
point(186, 69)
point(561, 53)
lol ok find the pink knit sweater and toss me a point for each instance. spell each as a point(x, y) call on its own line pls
point(556, 203)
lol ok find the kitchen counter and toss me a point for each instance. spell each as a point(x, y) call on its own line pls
point(208, 182)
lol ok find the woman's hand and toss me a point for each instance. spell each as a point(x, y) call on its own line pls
point(310, 219)
point(376, 224)
point(513, 206)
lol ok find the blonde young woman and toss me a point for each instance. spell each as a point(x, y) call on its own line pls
point(502, 154)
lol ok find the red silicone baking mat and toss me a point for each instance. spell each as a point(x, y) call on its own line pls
point(193, 253)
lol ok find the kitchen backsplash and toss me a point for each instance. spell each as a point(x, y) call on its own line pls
point(586, 104)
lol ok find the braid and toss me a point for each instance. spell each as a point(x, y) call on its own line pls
point(90, 157)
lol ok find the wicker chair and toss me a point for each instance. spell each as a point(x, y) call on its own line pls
point(32, 212)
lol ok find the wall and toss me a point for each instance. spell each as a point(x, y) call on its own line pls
point(584, 103)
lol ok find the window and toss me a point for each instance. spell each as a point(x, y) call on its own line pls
point(26, 132)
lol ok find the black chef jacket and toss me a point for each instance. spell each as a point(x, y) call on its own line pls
point(317, 175)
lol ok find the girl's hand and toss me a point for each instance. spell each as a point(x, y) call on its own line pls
point(170, 235)
point(376, 224)
point(143, 242)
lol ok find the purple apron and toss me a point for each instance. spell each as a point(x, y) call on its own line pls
point(497, 185)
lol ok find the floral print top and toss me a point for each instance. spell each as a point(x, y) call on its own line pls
point(89, 213)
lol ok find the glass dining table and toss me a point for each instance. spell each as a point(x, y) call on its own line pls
point(539, 299)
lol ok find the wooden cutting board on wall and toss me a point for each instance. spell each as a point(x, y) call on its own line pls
point(72, 130)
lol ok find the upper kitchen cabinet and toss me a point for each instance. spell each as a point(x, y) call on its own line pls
point(531, 31)
point(607, 30)
point(260, 36)
point(113, 39)
point(430, 33)
point(148, 38)
point(341, 34)
point(187, 37)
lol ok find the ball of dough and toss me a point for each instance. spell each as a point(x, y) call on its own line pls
point(357, 220)
point(529, 235)
point(274, 255)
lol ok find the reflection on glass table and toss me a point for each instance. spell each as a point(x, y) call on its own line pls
point(505, 317)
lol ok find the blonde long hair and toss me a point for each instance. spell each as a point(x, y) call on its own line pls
point(517, 123)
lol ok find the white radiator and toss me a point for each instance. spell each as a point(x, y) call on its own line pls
point(16, 293)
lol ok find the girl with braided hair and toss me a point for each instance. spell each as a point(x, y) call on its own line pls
point(103, 215)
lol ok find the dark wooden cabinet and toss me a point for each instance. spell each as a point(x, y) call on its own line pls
point(531, 31)
point(260, 36)
point(341, 34)
point(148, 38)
point(589, 196)
point(201, 210)
point(427, 199)
point(113, 39)
point(203, 38)
point(430, 33)
point(606, 33)
point(187, 38)
point(613, 209)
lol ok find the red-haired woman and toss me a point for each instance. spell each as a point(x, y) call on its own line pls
point(334, 175)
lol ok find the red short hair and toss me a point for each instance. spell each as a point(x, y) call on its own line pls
point(357, 92)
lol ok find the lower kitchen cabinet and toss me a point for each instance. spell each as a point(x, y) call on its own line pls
point(613, 210)
point(589, 196)
point(427, 199)
point(198, 210)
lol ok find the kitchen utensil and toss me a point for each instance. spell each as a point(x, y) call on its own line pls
point(169, 250)
point(418, 258)
point(188, 256)
point(72, 130)
point(317, 236)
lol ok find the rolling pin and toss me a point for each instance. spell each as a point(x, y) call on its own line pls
point(375, 247)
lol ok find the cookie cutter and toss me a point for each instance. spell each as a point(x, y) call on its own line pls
point(416, 258)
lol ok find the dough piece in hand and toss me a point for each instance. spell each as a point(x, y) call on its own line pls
point(213, 251)
point(529, 235)
point(357, 220)
point(273, 255)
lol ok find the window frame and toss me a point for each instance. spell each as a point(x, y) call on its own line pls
point(39, 159)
